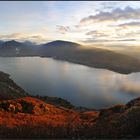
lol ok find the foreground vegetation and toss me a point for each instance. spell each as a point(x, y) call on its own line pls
point(32, 118)
point(23, 116)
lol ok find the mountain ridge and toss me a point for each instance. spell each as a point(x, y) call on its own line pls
point(74, 52)
point(11, 43)
point(60, 43)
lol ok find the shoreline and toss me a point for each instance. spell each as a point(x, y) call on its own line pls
point(79, 63)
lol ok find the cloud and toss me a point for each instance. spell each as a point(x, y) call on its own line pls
point(130, 87)
point(62, 29)
point(11, 36)
point(125, 85)
point(94, 40)
point(96, 34)
point(131, 39)
point(130, 24)
point(115, 15)
point(133, 33)
point(36, 38)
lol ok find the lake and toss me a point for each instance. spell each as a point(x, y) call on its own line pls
point(81, 85)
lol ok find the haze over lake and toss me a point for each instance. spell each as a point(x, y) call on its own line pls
point(79, 84)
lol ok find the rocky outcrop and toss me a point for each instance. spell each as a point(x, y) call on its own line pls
point(26, 105)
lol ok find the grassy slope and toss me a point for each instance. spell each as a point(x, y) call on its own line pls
point(33, 118)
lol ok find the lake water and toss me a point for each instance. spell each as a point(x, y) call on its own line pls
point(81, 85)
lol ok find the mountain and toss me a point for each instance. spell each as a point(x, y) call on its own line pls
point(11, 44)
point(75, 53)
point(94, 57)
point(15, 48)
point(61, 43)
point(57, 48)
point(10, 48)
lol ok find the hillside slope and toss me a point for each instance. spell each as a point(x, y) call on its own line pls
point(23, 116)
point(32, 118)
point(96, 57)
point(8, 89)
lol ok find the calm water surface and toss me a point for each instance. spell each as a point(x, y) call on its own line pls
point(81, 85)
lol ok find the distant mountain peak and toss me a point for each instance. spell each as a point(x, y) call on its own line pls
point(12, 40)
point(12, 43)
point(61, 43)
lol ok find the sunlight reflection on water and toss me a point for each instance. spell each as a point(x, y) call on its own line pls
point(81, 85)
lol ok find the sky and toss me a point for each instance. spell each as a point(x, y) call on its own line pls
point(85, 22)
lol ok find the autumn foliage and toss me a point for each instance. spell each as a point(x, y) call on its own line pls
point(32, 118)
